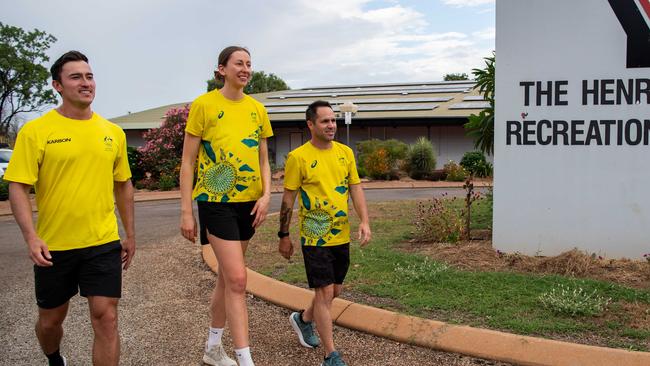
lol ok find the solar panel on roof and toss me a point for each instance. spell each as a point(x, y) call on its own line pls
point(334, 95)
point(470, 105)
point(363, 108)
point(474, 98)
point(360, 101)
point(379, 88)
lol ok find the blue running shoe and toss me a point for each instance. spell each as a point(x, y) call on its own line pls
point(334, 359)
point(305, 330)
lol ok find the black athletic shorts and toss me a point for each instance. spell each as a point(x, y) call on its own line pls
point(326, 265)
point(93, 271)
point(226, 220)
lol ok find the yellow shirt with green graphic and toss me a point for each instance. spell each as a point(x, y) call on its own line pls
point(72, 165)
point(230, 132)
point(323, 178)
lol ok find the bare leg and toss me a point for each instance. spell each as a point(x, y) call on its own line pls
point(320, 312)
point(106, 344)
point(218, 304)
point(230, 255)
point(49, 327)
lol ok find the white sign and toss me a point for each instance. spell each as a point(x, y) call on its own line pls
point(572, 127)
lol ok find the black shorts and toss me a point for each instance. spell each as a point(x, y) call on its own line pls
point(93, 271)
point(326, 265)
point(226, 220)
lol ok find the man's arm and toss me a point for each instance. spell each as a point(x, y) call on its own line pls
point(22, 210)
point(262, 204)
point(124, 201)
point(285, 247)
point(359, 202)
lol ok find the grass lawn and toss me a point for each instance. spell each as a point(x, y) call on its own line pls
point(385, 275)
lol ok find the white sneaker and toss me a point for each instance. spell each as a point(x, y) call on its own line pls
point(216, 356)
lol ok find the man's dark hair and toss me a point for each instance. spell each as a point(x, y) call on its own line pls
point(69, 56)
point(310, 115)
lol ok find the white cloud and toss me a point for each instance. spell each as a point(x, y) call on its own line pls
point(467, 3)
point(485, 34)
point(146, 56)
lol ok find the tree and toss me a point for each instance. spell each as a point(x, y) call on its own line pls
point(481, 126)
point(23, 78)
point(260, 83)
point(456, 76)
point(163, 148)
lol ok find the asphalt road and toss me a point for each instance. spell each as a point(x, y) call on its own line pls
point(165, 303)
point(158, 220)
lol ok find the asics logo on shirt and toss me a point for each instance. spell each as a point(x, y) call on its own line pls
point(58, 141)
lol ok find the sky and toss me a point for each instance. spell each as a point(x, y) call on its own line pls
point(150, 53)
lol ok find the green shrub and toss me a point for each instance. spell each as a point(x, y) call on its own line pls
point(377, 164)
point(4, 190)
point(379, 158)
point(475, 163)
point(420, 160)
point(455, 172)
point(137, 173)
point(437, 221)
point(149, 183)
point(167, 182)
point(362, 171)
point(573, 301)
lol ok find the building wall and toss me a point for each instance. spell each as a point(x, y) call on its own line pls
point(134, 137)
point(449, 142)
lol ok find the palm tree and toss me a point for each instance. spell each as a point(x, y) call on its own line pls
point(481, 126)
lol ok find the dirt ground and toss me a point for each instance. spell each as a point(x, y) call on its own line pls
point(164, 319)
point(479, 255)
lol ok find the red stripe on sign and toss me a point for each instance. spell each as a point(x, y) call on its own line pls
point(646, 6)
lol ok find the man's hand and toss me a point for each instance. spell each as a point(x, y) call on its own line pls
point(39, 253)
point(260, 210)
point(285, 247)
point(128, 251)
point(364, 233)
point(188, 227)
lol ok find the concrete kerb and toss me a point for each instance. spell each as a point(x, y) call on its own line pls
point(483, 343)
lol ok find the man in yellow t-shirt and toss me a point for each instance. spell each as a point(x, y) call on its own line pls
point(76, 161)
point(324, 172)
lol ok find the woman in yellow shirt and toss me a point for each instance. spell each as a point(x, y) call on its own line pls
point(227, 131)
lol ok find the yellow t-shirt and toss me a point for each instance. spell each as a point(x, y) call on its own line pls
point(230, 132)
point(323, 177)
point(72, 165)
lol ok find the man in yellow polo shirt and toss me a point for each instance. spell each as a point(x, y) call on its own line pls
point(324, 172)
point(77, 162)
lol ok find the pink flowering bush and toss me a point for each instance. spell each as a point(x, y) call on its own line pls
point(161, 154)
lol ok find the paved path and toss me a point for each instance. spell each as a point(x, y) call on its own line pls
point(163, 314)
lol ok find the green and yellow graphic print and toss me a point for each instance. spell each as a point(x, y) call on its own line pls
point(322, 221)
point(226, 176)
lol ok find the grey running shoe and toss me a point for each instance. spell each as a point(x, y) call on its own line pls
point(305, 331)
point(334, 359)
point(216, 356)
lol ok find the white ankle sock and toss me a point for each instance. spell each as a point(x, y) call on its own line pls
point(244, 356)
point(214, 336)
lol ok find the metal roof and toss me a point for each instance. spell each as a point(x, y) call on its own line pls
point(442, 101)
